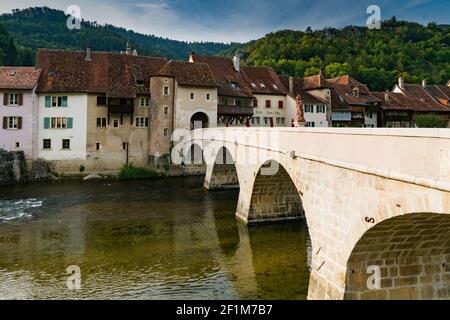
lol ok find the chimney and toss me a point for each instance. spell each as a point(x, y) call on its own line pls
point(401, 83)
point(237, 62)
point(291, 84)
point(386, 96)
point(88, 54)
point(424, 83)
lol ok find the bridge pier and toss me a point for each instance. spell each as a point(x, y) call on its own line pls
point(221, 177)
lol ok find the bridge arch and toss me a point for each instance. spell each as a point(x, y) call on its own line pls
point(223, 173)
point(409, 255)
point(274, 196)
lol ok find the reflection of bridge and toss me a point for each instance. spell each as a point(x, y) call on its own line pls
point(370, 198)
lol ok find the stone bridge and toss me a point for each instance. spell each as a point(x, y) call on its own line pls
point(376, 201)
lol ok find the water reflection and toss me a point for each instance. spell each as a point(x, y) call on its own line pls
point(146, 240)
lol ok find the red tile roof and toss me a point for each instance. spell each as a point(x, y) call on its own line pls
point(189, 74)
point(395, 101)
point(263, 80)
point(20, 78)
point(347, 80)
point(298, 90)
point(440, 93)
point(316, 82)
point(421, 100)
point(116, 75)
point(346, 93)
point(229, 81)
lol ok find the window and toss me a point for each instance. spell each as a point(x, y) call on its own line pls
point(280, 121)
point(58, 123)
point(101, 122)
point(192, 96)
point(369, 115)
point(47, 144)
point(166, 132)
point(17, 144)
point(141, 122)
point(13, 99)
point(321, 109)
point(12, 123)
point(56, 101)
point(115, 123)
point(310, 124)
point(124, 145)
point(255, 103)
point(266, 121)
point(66, 144)
point(309, 109)
point(101, 101)
point(208, 96)
point(97, 146)
point(166, 90)
point(280, 104)
point(257, 121)
point(144, 102)
point(166, 110)
point(268, 103)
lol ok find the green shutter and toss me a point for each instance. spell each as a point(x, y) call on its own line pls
point(48, 101)
point(69, 123)
point(64, 101)
point(46, 123)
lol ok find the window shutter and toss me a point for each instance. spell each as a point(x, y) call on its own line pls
point(46, 123)
point(20, 99)
point(69, 123)
point(5, 99)
point(64, 102)
point(48, 101)
point(19, 123)
point(5, 122)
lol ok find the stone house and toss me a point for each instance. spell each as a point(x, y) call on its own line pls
point(18, 112)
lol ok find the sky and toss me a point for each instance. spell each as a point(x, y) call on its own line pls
point(238, 20)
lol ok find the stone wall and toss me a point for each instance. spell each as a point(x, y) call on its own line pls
point(14, 168)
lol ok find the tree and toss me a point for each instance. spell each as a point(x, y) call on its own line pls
point(430, 121)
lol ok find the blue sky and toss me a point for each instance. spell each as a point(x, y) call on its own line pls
point(238, 20)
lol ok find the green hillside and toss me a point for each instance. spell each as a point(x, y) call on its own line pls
point(376, 57)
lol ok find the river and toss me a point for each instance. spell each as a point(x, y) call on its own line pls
point(151, 239)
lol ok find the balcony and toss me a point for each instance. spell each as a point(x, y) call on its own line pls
point(227, 110)
point(120, 108)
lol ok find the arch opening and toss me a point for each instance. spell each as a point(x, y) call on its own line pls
point(199, 121)
point(275, 196)
point(403, 258)
point(224, 174)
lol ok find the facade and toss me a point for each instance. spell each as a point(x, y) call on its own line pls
point(95, 109)
point(19, 109)
point(315, 109)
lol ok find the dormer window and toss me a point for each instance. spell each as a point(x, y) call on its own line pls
point(356, 91)
point(253, 85)
point(262, 85)
point(12, 73)
point(234, 85)
point(275, 87)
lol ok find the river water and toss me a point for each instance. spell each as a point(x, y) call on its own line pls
point(152, 239)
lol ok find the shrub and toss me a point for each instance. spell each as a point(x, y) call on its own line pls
point(430, 121)
point(131, 172)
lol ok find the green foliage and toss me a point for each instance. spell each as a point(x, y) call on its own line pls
point(375, 57)
point(430, 121)
point(131, 172)
point(43, 27)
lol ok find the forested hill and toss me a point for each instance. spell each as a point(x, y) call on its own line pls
point(375, 57)
point(43, 27)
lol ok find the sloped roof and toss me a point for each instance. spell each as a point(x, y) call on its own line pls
point(263, 80)
point(21, 78)
point(346, 93)
point(189, 74)
point(440, 93)
point(229, 81)
point(116, 75)
point(421, 100)
point(346, 80)
point(396, 101)
point(316, 82)
point(298, 90)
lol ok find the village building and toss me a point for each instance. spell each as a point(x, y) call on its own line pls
point(94, 109)
point(397, 111)
point(235, 100)
point(19, 110)
point(270, 96)
point(315, 109)
point(424, 99)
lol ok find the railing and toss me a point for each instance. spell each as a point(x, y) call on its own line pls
point(235, 110)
